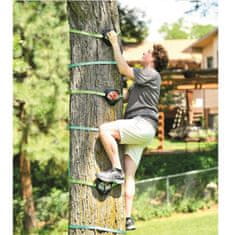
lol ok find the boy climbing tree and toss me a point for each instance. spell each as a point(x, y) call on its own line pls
point(139, 125)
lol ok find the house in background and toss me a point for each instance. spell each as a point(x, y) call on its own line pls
point(204, 100)
point(207, 46)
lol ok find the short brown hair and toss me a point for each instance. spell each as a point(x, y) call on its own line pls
point(161, 57)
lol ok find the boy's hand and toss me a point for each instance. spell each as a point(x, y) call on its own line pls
point(113, 38)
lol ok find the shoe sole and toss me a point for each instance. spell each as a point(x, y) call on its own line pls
point(130, 228)
point(116, 181)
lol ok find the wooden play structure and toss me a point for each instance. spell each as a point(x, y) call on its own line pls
point(187, 81)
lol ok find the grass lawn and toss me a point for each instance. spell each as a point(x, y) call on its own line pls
point(199, 223)
point(180, 145)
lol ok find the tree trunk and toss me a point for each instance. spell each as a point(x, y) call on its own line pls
point(27, 194)
point(87, 156)
point(25, 177)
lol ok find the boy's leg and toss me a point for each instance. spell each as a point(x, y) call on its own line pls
point(134, 133)
point(109, 133)
point(125, 131)
point(130, 169)
point(108, 136)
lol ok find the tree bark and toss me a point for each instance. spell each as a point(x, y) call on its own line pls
point(25, 177)
point(27, 194)
point(87, 156)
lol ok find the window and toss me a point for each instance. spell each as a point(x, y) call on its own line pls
point(209, 62)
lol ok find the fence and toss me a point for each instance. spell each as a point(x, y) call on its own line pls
point(184, 192)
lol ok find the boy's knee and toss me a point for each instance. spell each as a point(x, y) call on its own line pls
point(104, 128)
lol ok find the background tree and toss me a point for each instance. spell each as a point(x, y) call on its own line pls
point(40, 101)
point(133, 25)
point(198, 31)
point(87, 156)
point(176, 30)
point(179, 30)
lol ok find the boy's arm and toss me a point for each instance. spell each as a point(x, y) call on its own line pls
point(122, 65)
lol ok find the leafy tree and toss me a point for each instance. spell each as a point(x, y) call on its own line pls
point(176, 30)
point(133, 27)
point(198, 31)
point(40, 84)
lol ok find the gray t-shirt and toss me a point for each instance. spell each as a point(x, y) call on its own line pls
point(144, 95)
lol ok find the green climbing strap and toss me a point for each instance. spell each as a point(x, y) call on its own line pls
point(91, 63)
point(82, 182)
point(96, 35)
point(92, 227)
point(83, 128)
point(88, 92)
point(72, 92)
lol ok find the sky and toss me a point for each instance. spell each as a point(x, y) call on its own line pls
point(169, 11)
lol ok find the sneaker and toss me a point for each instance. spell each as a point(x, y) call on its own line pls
point(130, 224)
point(114, 175)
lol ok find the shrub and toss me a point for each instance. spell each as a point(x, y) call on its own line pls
point(18, 216)
point(160, 165)
point(53, 207)
point(60, 227)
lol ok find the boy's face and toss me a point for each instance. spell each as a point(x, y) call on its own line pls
point(147, 57)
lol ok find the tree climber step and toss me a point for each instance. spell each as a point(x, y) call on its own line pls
point(112, 96)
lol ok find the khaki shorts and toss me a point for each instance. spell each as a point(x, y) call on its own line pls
point(136, 134)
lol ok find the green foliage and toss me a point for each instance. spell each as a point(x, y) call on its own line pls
point(186, 194)
point(192, 205)
point(59, 227)
point(174, 144)
point(18, 215)
point(41, 55)
point(41, 78)
point(132, 24)
point(52, 207)
point(179, 30)
point(56, 177)
point(161, 165)
point(52, 213)
point(176, 30)
point(198, 31)
point(149, 211)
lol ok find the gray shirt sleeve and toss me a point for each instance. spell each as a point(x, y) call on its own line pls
point(141, 76)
